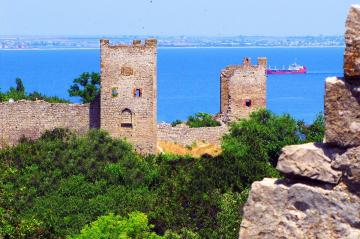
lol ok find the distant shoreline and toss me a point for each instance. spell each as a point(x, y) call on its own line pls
point(174, 47)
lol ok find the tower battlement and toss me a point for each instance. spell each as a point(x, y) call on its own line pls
point(151, 42)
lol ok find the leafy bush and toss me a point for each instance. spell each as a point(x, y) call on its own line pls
point(314, 132)
point(111, 226)
point(202, 120)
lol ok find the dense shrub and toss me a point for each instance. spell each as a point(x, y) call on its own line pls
point(54, 186)
point(202, 120)
point(113, 227)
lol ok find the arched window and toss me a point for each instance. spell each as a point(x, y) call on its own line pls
point(126, 118)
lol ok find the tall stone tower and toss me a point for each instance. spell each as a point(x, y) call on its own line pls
point(243, 89)
point(128, 92)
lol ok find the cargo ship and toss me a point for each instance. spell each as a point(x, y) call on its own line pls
point(292, 69)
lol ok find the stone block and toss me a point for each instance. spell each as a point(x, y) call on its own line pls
point(308, 160)
point(349, 163)
point(352, 40)
point(285, 209)
point(342, 112)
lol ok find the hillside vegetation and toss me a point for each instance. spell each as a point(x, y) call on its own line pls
point(64, 185)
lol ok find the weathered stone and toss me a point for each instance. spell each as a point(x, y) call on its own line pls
point(278, 209)
point(352, 39)
point(342, 112)
point(349, 163)
point(308, 160)
point(243, 89)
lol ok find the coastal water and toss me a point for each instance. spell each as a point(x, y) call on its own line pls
point(188, 78)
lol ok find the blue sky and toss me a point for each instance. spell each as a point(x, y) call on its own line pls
point(173, 17)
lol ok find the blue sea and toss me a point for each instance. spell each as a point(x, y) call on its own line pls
point(188, 78)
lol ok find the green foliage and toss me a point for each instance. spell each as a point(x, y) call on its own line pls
point(315, 131)
point(176, 122)
point(54, 186)
point(182, 234)
point(202, 120)
point(113, 227)
point(86, 86)
point(19, 85)
point(229, 215)
point(18, 93)
point(261, 137)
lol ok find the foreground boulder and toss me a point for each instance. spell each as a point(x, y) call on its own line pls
point(342, 112)
point(285, 209)
point(349, 163)
point(308, 160)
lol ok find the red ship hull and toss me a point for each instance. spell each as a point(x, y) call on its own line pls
point(286, 72)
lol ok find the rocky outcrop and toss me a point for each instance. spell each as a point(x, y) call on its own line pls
point(320, 196)
point(309, 160)
point(352, 40)
point(342, 112)
point(290, 209)
point(349, 163)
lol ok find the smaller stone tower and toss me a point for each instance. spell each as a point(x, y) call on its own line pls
point(128, 92)
point(243, 89)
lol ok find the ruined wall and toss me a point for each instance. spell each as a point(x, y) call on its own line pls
point(182, 134)
point(243, 89)
point(320, 194)
point(32, 118)
point(128, 92)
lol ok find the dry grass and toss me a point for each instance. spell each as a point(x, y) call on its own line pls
point(196, 150)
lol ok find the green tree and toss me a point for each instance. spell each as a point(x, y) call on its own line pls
point(261, 137)
point(202, 120)
point(135, 226)
point(86, 86)
point(19, 85)
point(313, 132)
point(18, 93)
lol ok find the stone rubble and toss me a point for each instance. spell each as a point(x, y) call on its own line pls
point(308, 160)
point(320, 196)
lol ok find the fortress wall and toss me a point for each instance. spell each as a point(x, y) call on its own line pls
point(184, 135)
point(32, 118)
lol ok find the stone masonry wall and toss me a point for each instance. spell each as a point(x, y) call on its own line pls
point(184, 135)
point(243, 89)
point(32, 118)
point(128, 92)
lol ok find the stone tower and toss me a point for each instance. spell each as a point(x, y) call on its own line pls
point(243, 89)
point(128, 92)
